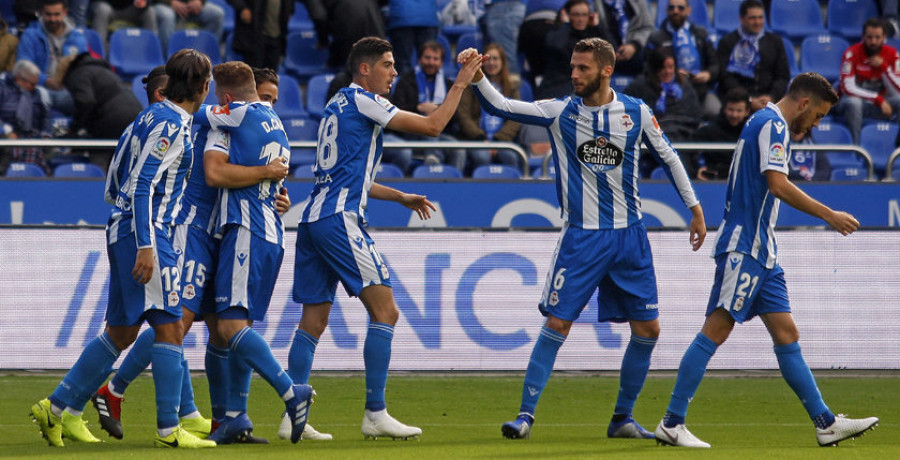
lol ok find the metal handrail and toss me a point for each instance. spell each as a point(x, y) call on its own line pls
point(419, 145)
point(888, 170)
point(728, 147)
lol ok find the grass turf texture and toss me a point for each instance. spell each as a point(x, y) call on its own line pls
point(742, 417)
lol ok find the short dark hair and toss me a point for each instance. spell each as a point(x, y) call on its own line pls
point(188, 71)
point(235, 77)
point(603, 51)
point(737, 95)
point(154, 80)
point(746, 5)
point(368, 50)
point(431, 45)
point(875, 22)
point(265, 74)
point(64, 3)
point(812, 85)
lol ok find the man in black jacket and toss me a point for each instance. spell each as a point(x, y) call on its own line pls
point(344, 22)
point(714, 165)
point(260, 30)
point(753, 59)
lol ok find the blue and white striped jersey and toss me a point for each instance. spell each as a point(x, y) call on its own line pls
point(348, 152)
point(596, 152)
point(200, 204)
point(750, 210)
point(255, 138)
point(149, 171)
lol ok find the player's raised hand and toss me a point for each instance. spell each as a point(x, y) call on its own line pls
point(471, 65)
point(843, 222)
point(277, 169)
point(419, 204)
point(143, 266)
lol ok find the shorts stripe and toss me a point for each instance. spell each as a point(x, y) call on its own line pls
point(241, 271)
point(730, 280)
point(367, 269)
point(549, 282)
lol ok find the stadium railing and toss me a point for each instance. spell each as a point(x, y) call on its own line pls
point(889, 169)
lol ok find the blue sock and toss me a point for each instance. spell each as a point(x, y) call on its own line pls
point(187, 390)
point(137, 359)
point(540, 365)
point(82, 380)
point(217, 363)
point(690, 374)
point(377, 358)
point(798, 376)
point(238, 388)
point(635, 365)
point(249, 346)
point(167, 378)
point(300, 358)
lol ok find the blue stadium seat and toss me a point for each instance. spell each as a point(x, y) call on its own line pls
point(796, 18)
point(300, 20)
point(199, 40)
point(726, 15)
point(699, 14)
point(791, 55)
point(846, 17)
point(134, 52)
point(470, 40)
point(822, 54)
point(301, 129)
point(304, 172)
point(137, 87)
point(895, 172)
point(526, 91)
point(95, 43)
point(228, 24)
point(832, 132)
point(496, 172)
point(847, 174)
point(78, 170)
point(658, 173)
point(302, 59)
point(893, 42)
point(230, 53)
point(620, 82)
point(290, 100)
point(436, 172)
point(316, 92)
point(24, 170)
point(388, 171)
point(211, 95)
point(8, 14)
point(878, 139)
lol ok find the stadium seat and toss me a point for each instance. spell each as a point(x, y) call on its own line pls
point(228, 24)
point(832, 132)
point(134, 52)
point(199, 40)
point(620, 82)
point(211, 95)
point(893, 42)
point(388, 171)
point(95, 43)
point(537, 171)
point(822, 54)
point(846, 17)
point(496, 172)
point(726, 15)
point(526, 92)
point(304, 172)
point(436, 172)
point(699, 13)
point(290, 100)
point(796, 18)
point(658, 173)
point(878, 139)
point(137, 87)
point(895, 172)
point(231, 54)
point(302, 59)
point(24, 170)
point(8, 14)
point(78, 170)
point(847, 174)
point(301, 129)
point(791, 55)
point(316, 92)
point(300, 20)
point(470, 40)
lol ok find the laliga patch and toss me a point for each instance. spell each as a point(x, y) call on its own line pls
point(777, 154)
point(600, 155)
point(173, 299)
point(383, 102)
point(625, 122)
point(189, 292)
point(384, 272)
point(160, 148)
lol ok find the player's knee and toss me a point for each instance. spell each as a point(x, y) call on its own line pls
point(122, 337)
point(646, 329)
point(558, 325)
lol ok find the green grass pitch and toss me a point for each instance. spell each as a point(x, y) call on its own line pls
point(750, 415)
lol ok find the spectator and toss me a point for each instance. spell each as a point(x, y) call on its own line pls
point(411, 23)
point(260, 30)
point(630, 24)
point(8, 44)
point(575, 23)
point(78, 11)
point(136, 12)
point(870, 80)
point(502, 19)
point(461, 13)
point(753, 59)
point(672, 98)
point(540, 19)
point(23, 114)
point(810, 165)
point(344, 22)
point(26, 12)
point(422, 90)
point(171, 13)
point(103, 106)
point(714, 165)
point(47, 41)
point(475, 124)
point(694, 52)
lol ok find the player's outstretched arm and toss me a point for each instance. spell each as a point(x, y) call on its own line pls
point(418, 203)
point(222, 174)
point(786, 191)
point(433, 124)
point(697, 227)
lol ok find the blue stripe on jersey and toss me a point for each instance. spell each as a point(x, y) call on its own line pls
point(751, 211)
point(199, 206)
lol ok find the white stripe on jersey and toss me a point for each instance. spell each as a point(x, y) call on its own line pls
point(367, 269)
point(223, 217)
point(590, 190)
point(245, 214)
point(342, 200)
point(770, 231)
point(271, 226)
point(153, 292)
point(112, 232)
point(316, 209)
point(559, 145)
point(369, 177)
point(192, 213)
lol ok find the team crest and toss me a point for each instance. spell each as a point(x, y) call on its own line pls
point(625, 122)
point(738, 304)
point(189, 292)
point(173, 299)
point(554, 298)
point(384, 272)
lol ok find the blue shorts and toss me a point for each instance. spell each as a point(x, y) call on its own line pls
point(130, 301)
point(197, 253)
point(617, 261)
point(336, 248)
point(746, 288)
point(247, 271)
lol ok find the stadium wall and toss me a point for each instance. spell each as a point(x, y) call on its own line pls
point(468, 302)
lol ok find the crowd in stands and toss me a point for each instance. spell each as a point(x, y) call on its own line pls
point(702, 66)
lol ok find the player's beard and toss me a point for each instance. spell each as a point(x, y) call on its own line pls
point(873, 51)
point(591, 87)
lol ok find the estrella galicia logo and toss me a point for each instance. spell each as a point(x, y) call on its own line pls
point(600, 154)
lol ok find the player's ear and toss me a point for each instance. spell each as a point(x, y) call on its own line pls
point(803, 103)
point(607, 71)
point(364, 69)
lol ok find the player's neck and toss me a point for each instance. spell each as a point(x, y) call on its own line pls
point(188, 105)
point(602, 96)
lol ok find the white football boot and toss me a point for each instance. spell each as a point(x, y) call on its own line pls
point(844, 428)
point(677, 436)
point(309, 433)
point(380, 424)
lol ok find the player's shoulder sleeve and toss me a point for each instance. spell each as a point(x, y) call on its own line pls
point(161, 135)
point(773, 141)
point(217, 141)
point(374, 107)
point(225, 116)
